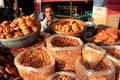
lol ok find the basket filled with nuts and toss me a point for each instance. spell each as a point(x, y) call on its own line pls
point(35, 64)
point(65, 50)
point(71, 27)
point(104, 71)
point(20, 32)
point(62, 75)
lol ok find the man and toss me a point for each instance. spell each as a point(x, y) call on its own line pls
point(49, 17)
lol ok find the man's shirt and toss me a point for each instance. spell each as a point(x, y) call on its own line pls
point(45, 24)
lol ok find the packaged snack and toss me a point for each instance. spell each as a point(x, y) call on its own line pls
point(65, 50)
point(35, 64)
point(62, 75)
point(113, 53)
point(93, 54)
point(104, 71)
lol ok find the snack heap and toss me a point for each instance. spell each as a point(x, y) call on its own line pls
point(68, 25)
point(19, 27)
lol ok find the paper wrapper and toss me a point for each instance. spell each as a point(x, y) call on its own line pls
point(93, 54)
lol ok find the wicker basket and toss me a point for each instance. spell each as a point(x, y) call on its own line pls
point(74, 33)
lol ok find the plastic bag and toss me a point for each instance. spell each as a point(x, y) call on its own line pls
point(113, 53)
point(93, 54)
point(84, 73)
point(28, 72)
point(66, 52)
point(62, 75)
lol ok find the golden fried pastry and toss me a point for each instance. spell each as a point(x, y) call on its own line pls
point(1, 28)
point(34, 28)
point(22, 26)
point(67, 28)
point(2, 36)
point(26, 31)
point(18, 34)
point(13, 24)
point(21, 21)
point(27, 17)
point(106, 35)
point(3, 25)
point(75, 27)
point(5, 22)
point(29, 22)
point(9, 36)
point(17, 28)
point(32, 17)
point(11, 29)
point(15, 20)
point(23, 17)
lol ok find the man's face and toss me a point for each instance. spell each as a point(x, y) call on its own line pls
point(49, 13)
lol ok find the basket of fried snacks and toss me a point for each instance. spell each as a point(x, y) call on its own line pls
point(21, 32)
point(71, 27)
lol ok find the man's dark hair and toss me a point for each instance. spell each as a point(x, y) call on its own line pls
point(48, 6)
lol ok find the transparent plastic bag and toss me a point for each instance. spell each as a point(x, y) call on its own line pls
point(93, 54)
point(113, 53)
point(65, 56)
point(35, 73)
point(84, 73)
point(62, 75)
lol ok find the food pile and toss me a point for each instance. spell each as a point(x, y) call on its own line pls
point(113, 53)
point(65, 50)
point(93, 65)
point(93, 54)
point(62, 75)
point(37, 63)
point(108, 35)
point(68, 27)
point(60, 52)
point(19, 27)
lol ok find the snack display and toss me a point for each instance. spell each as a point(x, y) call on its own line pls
point(35, 64)
point(68, 27)
point(65, 50)
point(93, 54)
point(62, 75)
point(113, 53)
point(106, 35)
point(20, 32)
point(19, 27)
point(104, 71)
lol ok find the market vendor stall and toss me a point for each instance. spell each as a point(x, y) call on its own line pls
point(54, 52)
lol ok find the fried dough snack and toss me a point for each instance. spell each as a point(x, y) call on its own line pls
point(106, 35)
point(19, 27)
point(67, 25)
